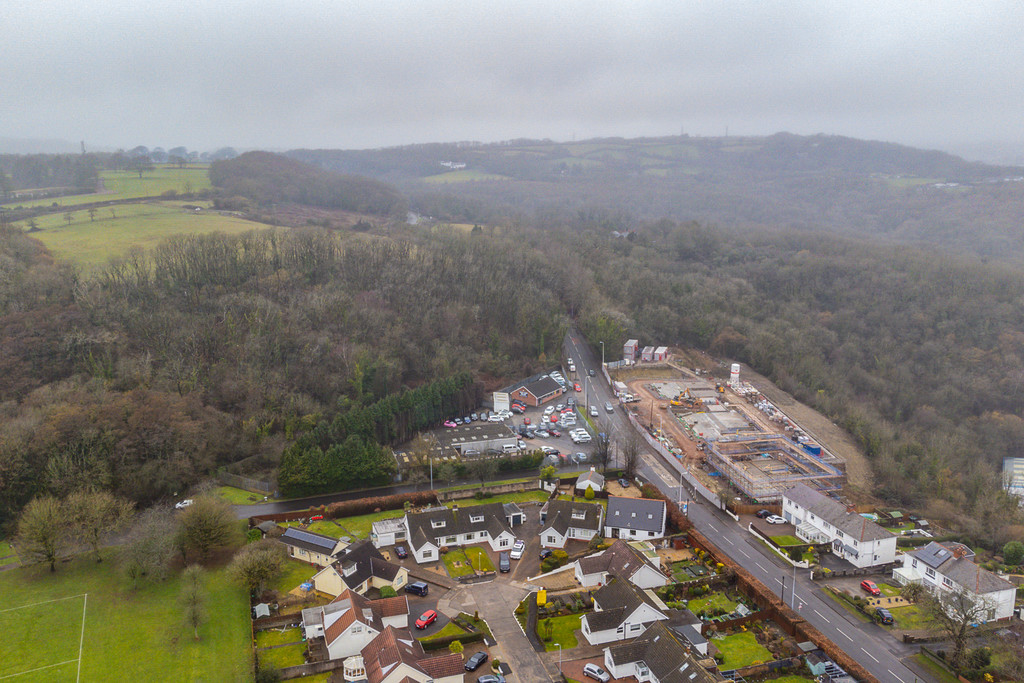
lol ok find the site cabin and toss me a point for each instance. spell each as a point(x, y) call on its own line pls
point(629, 349)
point(647, 355)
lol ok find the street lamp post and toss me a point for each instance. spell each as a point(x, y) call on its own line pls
point(602, 353)
point(559, 657)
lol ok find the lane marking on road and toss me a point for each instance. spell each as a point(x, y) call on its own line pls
point(896, 677)
point(744, 552)
point(822, 616)
point(761, 568)
point(844, 633)
point(779, 581)
point(869, 655)
point(728, 540)
point(713, 527)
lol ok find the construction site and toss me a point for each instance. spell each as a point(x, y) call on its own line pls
point(729, 430)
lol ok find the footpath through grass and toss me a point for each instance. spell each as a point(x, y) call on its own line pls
point(128, 634)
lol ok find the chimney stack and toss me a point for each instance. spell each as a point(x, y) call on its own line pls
point(958, 552)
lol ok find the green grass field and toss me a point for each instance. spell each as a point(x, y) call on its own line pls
point(516, 497)
point(457, 563)
point(295, 573)
point(277, 637)
point(360, 525)
point(713, 600)
point(563, 631)
point(128, 634)
point(479, 558)
point(450, 629)
point(7, 554)
point(119, 185)
point(238, 496)
point(462, 176)
point(92, 243)
point(785, 540)
point(741, 649)
point(281, 657)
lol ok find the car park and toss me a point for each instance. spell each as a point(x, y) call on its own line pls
point(549, 410)
point(871, 587)
point(474, 662)
point(763, 513)
point(517, 549)
point(419, 588)
point(426, 619)
point(543, 433)
point(775, 519)
point(504, 565)
point(594, 671)
point(401, 552)
point(883, 615)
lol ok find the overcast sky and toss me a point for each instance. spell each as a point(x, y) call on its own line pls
point(354, 74)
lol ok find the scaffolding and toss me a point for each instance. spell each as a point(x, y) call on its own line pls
point(762, 466)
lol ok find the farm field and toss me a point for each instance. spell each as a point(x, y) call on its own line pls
point(119, 185)
point(91, 243)
point(462, 176)
point(126, 634)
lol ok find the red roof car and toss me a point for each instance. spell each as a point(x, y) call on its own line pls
point(426, 619)
point(577, 387)
point(870, 587)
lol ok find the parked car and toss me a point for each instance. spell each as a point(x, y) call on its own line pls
point(491, 678)
point(484, 415)
point(871, 587)
point(469, 418)
point(517, 409)
point(474, 662)
point(549, 450)
point(401, 552)
point(775, 519)
point(545, 553)
point(554, 432)
point(571, 402)
point(474, 417)
point(450, 423)
point(763, 514)
point(560, 407)
point(494, 417)
point(579, 457)
point(504, 565)
point(419, 588)
point(181, 505)
point(577, 386)
point(593, 670)
point(517, 549)
point(549, 410)
point(526, 420)
point(883, 615)
point(471, 451)
point(624, 483)
point(426, 619)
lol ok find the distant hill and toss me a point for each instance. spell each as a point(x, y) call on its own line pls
point(820, 182)
point(269, 178)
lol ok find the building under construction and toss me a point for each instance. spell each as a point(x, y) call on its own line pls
point(764, 465)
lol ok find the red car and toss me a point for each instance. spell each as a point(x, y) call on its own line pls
point(870, 587)
point(526, 420)
point(577, 387)
point(426, 619)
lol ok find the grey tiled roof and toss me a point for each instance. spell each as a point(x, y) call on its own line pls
point(836, 514)
point(307, 540)
point(368, 562)
point(665, 655)
point(961, 571)
point(619, 558)
point(491, 517)
point(560, 516)
point(644, 514)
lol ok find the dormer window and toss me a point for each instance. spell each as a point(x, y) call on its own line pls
point(348, 569)
point(633, 514)
point(579, 514)
point(476, 519)
point(650, 516)
point(437, 524)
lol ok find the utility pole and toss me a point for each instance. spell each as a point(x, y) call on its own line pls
point(602, 354)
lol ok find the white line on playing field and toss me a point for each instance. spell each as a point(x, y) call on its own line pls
point(48, 666)
point(44, 602)
point(81, 639)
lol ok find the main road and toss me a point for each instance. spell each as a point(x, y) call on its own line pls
point(868, 644)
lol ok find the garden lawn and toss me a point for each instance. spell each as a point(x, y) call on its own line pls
point(457, 556)
point(450, 629)
point(237, 496)
point(792, 679)
point(941, 673)
point(713, 600)
point(741, 649)
point(603, 502)
point(327, 527)
point(360, 525)
point(911, 618)
point(785, 539)
point(281, 657)
point(563, 631)
point(515, 497)
point(277, 637)
point(139, 634)
point(295, 573)
point(887, 590)
point(479, 559)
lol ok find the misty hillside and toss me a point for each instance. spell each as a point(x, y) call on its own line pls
point(822, 183)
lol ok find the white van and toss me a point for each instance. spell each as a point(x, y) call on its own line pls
point(509, 448)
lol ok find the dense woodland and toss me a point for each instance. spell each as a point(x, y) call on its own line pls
point(236, 351)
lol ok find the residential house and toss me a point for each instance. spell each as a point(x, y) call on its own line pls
point(351, 621)
point(359, 568)
point(593, 480)
point(621, 611)
point(853, 537)
point(564, 520)
point(950, 567)
point(635, 518)
point(658, 655)
point(430, 530)
point(395, 656)
point(387, 532)
point(620, 559)
point(310, 547)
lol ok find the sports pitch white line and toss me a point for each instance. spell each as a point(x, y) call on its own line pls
point(44, 602)
point(81, 638)
point(48, 666)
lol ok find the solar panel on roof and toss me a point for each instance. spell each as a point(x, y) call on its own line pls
point(300, 535)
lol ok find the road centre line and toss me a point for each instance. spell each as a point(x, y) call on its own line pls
point(844, 633)
point(869, 654)
point(896, 677)
point(761, 568)
point(822, 616)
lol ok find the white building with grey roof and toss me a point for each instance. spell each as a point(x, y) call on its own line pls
point(951, 567)
point(635, 519)
point(820, 519)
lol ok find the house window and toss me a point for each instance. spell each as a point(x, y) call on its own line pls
point(356, 628)
point(914, 563)
point(428, 554)
point(929, 572)
point(551, 539)
point(636, 627)
point(579, 514)
point(437, 524)
point(476, 519)
point(946, 582)
point(450, 540)
point(399, 579)
point(620, 629)
point(503, 543)
point(469, 536)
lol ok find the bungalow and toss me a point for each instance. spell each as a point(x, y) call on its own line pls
point(620, 559)
point(562, 520)
point(659, 655)
point(350, 621)
point(307, 546)
point(430, 530)
point(950, 567)
point(589, 480)
point(635, 518)
point(394, 656)
point(820, 519)
point(359, 568)
point(621, 611)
